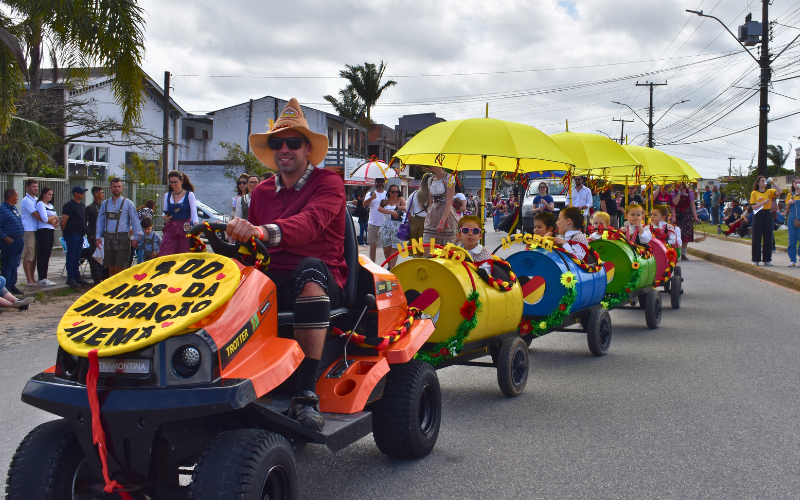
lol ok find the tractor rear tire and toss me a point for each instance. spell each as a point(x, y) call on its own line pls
point(407, 418)
point(246, 463)
point(652, 309)
point(513, 365)
point(598, 332)
point(675, 292)
point(46, 464)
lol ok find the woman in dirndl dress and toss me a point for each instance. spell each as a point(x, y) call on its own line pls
point(685, 214)
point(181, 208)
point(393, 208)
point(440, 223)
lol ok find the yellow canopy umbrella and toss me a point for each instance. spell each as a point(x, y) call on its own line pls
point(596, 154)
point(484, 144)
point(688, 170)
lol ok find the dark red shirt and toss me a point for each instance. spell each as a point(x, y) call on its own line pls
point(311, 221)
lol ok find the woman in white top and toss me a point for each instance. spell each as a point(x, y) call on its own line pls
point(180, 214)
point(45, 234)
point(241, 190)
point(418, 206)
point(243, 204)
point(441, 223)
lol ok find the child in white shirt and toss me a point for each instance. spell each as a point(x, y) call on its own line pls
point(570, 236)
point(468, 237)
point(635, 230)
point(658, 220)
point(599, 219)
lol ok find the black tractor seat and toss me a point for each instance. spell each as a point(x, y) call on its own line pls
point(351, 259)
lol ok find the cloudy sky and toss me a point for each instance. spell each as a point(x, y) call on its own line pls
point(537, 62)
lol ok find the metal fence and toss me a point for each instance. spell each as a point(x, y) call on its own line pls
point(3, 182)
point(139, 194)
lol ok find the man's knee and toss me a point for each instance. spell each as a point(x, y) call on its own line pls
point(312, 289)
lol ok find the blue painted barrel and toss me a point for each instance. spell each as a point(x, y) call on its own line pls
point(543, 290)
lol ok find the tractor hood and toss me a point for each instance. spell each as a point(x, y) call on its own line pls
point(148, 303)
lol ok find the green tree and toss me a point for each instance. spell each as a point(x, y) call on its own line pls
point(27, 146)
point(148, 175)
point(350, 107)
point(81, 33)
point(366, 82)
point(237, 161)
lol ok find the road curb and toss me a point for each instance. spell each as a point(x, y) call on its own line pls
point(50, 290)
point(747, 268)
point(741, 241)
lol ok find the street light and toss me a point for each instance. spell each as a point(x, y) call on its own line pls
point(764, 63)
point(604, 134)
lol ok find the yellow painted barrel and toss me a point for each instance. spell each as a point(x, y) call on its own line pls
point(500, 311)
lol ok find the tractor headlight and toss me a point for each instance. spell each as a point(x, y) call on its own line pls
point(69, 363)
point(186, 360)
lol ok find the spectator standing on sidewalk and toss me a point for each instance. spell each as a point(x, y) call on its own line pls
point(792, 219)
point(30, 222)
point(73, 227)
point(12, 239)
point(362, 214)
point(608, 204)
point(685, 214)
point(581, 196)
point(92, 211)
point(715, 199)
point(707, 194)
point(116, 218)
point(181, 208)
point(45, 234)
point(440, 223)
point(241, 190)
point(373, 201)
point(633, 198)
point(761, 200)
point(418, 208)
point(243, 205)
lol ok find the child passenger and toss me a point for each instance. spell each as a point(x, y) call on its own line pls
point(570, 236)
point(658, 220)
point(635, 230)
point(599, 219)
point(544, 224)
point(468, 237)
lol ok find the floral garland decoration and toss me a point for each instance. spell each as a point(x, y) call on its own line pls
point(497, 284)
point(672, 259)
point(450, 347)
point(589, 268)
point(555, 318)
point(615, 299)
point(643, 251)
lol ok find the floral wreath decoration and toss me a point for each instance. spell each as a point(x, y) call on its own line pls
point(449, 348)
point(555, 318)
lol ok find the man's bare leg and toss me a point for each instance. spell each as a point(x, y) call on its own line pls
point(373, 251)
point(29, 266)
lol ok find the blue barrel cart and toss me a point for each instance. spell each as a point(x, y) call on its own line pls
point(559, 291)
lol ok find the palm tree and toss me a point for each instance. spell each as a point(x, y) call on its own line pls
point(366, 82)
point(350, 107)
point(82, 33)
point(778, 158)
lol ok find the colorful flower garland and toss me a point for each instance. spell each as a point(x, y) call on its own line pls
point(555, 318)
point(589, 268)
point(614, 299)
point(643, 251)
point(450, 347)
point(672, 259)
point(497, 284)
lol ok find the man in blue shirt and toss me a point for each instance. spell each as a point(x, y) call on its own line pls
point(117, 217)
point(12, 239)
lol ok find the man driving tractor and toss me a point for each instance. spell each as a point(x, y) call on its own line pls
point(299, 214)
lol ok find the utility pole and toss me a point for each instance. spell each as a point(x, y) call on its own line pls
point(165, 150)
point(622, 132)
point(249, 125)
point(730, 165)
point(749, 34)
point(650, 125)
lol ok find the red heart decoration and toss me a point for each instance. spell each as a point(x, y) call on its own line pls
point(166, 324)
point(140, 277)
point(220, 276)
point(78, 323)
point(174, 290)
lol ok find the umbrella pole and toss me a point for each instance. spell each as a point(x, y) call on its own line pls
point(480, 201)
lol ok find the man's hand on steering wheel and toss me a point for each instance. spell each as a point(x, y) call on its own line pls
point(241, 230)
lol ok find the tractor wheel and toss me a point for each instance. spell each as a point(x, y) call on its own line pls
point(598, 332)
point(406, 420)
point(652, 310)
point(246, 463)
point(512, 367)
point(49, 464)
point(675, 292)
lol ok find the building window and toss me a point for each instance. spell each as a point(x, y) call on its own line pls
point(205, 134)
point(190, 132)
point(84, 159)
point(330, 137)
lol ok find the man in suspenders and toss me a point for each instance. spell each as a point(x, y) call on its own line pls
point(117, 217)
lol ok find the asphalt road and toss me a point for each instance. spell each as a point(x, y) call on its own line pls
point(705, 407)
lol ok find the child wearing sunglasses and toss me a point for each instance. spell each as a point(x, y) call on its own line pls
point(468, 237)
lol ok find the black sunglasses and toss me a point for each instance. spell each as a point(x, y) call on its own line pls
point(394, 191)
point(242, 182)
point(473, 230)
point(293, 143)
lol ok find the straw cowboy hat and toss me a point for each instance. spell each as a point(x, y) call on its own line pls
point(291, 118)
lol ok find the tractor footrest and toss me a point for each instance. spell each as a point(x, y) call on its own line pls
point(340, 431)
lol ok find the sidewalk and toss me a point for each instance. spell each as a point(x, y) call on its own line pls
point(737, 256)
point(54, 273)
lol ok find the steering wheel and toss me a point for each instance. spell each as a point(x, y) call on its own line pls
point(230, 250)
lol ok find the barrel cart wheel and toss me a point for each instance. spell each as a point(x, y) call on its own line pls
point(652, 309)
point(598, 331)
point(512, 367)
point(677, 273)
point(675, 291)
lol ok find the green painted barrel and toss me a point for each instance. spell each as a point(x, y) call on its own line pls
point(617, 257)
